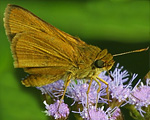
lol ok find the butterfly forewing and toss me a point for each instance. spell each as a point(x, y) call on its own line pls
point(33, 50)
point(36, 43)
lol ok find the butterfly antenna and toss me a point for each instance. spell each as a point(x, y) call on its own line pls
point(140, 50)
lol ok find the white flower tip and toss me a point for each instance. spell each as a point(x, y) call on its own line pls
point(44, 102)
point(102, 108)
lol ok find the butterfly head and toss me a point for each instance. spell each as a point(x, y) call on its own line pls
point(104, 60)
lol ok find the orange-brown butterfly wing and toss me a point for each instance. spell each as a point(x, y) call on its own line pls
point(35, 42)
point(39, 50)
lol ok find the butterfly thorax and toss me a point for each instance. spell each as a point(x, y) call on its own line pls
point(92, 67)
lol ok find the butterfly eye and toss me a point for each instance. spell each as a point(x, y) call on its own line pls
point(99, 64)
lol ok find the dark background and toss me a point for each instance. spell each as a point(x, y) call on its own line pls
point(118, 25)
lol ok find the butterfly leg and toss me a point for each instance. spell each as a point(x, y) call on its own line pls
point(88, 96)
point(98, 90)
point(88, 92)
point(67, 81)
point(100, 86)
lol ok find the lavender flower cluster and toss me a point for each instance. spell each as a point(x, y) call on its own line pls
point(121, 93)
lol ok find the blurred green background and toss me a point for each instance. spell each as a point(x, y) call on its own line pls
point(118, 25)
